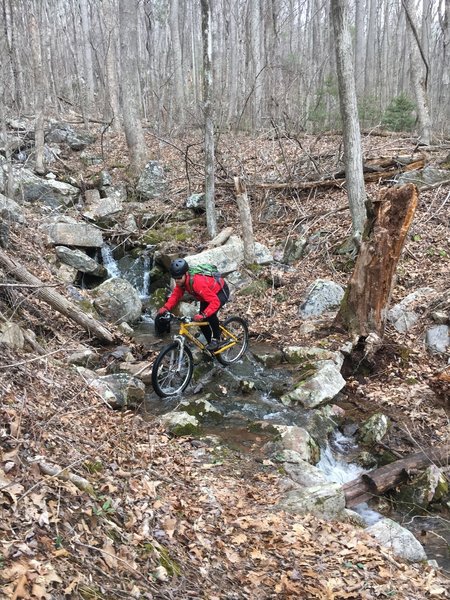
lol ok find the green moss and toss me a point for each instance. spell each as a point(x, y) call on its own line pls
point(179, 233)
point(93, 466)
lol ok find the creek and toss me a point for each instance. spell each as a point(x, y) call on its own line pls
point(240, 410)
point(248, 392)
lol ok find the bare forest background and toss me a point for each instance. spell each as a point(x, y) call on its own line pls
point(273, 62)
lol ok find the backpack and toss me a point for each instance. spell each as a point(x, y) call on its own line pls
point(206, 269)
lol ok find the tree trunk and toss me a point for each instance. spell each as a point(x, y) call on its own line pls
point(378, 481)
point(419, 74)
point(349, 113)
point(211, 218)
point(56, 301)
point(39, 93)
point(246, 222)
point(128, 10)
point(364, 307)
point(177, 61)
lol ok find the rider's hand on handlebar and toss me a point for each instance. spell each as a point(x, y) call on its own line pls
point(198, 318)
point(162, 311)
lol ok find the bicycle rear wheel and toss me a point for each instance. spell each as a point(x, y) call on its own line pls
point(235, 332)
point(170, 373)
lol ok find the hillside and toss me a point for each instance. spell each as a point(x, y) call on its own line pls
point(130, 512)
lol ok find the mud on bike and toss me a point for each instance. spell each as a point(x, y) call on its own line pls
point(174, 365)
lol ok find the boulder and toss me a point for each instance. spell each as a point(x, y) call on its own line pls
point(320, 383)
point(152, 182)
point(398, 539)
point(28, 187)
point(10, 210)
point(80, 260)
point(64, 133)
point(230, 256)
point(437, 339)
point(326, 501)
point(321, 296)
point(118, 301)
point(118, 390)
point(404, 315)
point(374, 429)
point(83, 235)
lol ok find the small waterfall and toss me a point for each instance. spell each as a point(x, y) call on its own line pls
point(109, 261)
point(147, 265)
point(135, 270)
point(338, 470)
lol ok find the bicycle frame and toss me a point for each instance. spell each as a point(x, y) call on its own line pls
point(184, 333)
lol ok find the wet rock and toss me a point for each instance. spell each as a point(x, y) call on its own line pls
point(118, 301)
point(117, 390)
point(319, 385)
point(430, 485)
point(374, 429)
point(267, 355)
point(202, 409)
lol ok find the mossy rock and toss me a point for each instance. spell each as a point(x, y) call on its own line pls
point(253, 289)
point(179, 233)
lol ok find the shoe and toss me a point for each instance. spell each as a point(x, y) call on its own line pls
point(213, 345)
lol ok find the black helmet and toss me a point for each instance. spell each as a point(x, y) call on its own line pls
point(178, 267)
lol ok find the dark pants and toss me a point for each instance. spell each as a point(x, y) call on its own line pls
point(214, 329)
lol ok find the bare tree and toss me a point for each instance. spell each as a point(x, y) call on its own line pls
point(39, 87)
point(128, 10)
point(349, 113)
point(419, 74)
point(211, 218)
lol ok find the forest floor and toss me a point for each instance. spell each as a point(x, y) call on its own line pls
point(186, 518)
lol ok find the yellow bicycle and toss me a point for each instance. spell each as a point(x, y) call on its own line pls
point(174, 365)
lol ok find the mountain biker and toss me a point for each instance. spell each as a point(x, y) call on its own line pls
point(212, 292)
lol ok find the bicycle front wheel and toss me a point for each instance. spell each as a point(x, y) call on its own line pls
point(172, 370)
point(234, 333)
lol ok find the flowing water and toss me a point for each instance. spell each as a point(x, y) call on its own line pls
point(338, 452)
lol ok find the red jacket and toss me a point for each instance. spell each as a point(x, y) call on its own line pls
point(203, 288)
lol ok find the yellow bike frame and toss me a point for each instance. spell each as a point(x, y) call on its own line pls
point(184, 331)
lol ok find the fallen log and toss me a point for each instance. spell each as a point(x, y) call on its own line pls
point(336, 181)
point(56, 301)
point(376, 482)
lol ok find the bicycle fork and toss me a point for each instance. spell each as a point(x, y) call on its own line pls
point(180, 341)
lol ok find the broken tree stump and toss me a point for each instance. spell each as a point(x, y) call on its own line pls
point(364, 307)
point(378, 481)
point(56, 301)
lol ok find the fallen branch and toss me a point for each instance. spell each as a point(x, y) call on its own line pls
point(55, 471)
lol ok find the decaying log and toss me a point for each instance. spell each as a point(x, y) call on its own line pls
point(220, 238)
point(56, 301)
point(363, 309)
point(378, 481)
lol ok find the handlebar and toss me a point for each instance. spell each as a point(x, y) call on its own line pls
point(168, 316)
